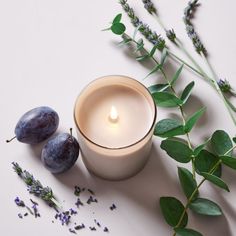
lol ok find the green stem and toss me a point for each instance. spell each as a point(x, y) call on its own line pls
point(212, 170)
point(173, 90)
point(219, 90)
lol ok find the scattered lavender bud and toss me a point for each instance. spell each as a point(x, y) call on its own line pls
point(113, 207)
point(106, 229)
point(26, 214)
point(20, 216)
point(98, 224)
point(64, 217)
point(92, 228)
point(78, 227)
point(73, 212)
point(77, 191)
point(72, 231)
point(91, 191)
point(91, 199)
point(19, 202)
point(79, 203)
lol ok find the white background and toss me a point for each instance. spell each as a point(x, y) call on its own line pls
point(50, 50)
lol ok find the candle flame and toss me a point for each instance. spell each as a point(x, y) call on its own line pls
point(113, 114)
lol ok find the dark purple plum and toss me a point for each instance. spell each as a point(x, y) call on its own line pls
point(36, 125)
point(60, 153)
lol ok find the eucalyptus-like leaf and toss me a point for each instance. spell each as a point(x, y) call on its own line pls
point(177, 150)
point(172, 210)
point(187, 91)
point(229, 161)
point(191, 121)
point(176, 75)
point(166, 99)
point(204, 206)
point(158, 88)
point(154, 70)
point(167, 128)
point(163, 56)
point(117, 19)
point(199, 148)
point(187, 232)
point(118, 28)
point(221, 143)
point(205, 161)
point(215, 180)
point(188, 183)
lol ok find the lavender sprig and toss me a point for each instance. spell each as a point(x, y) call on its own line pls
point(34, 186)
point(188, 15)
point(145, 30)
point(149, 6)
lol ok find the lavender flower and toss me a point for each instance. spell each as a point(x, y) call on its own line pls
point(64, 217)
point(150, 35)
point(224, 85)
point(19, 202)
point(170, 34)
point(34, 186)
point(149, 6)
point(188, 15)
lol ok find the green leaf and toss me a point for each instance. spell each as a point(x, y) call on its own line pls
point(215, 180)
point(199, 148)
point(166, 99)
point(205, 207)
point(136, 31)
point(205, 161)
point(188, 183)
point(158, 88)
point(176, 75)
point(125, 42)
point(187, 91)
point(172, 210)
point(229, 161)
point(167, 128)
point(221, 143)
point(117, 19)
point(187, 232)
point(163, 56)
point(118, 28)
point(154, 70)
point(234, 139)
point(140, 45)
point(152, 52)
point(191, 121)
point(142, 58)
point(177, 150)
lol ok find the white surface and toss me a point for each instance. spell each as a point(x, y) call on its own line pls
point(49, 50)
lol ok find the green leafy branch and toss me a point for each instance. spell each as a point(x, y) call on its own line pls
point(205, 163)
point(221, 86)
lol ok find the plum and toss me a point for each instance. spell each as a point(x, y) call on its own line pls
point(60, 153)
point(36, 125)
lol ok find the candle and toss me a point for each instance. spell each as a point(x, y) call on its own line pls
point(115, 117)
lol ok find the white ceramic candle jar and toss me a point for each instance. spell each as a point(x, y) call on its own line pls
point(115, 117)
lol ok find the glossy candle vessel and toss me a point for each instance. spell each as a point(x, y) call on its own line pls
point(115, 117)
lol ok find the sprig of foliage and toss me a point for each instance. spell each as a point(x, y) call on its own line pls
point(188, 14)
point(34, 186)
point(205, 163)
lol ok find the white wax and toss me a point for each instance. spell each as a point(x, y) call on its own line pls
point(135, 116)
